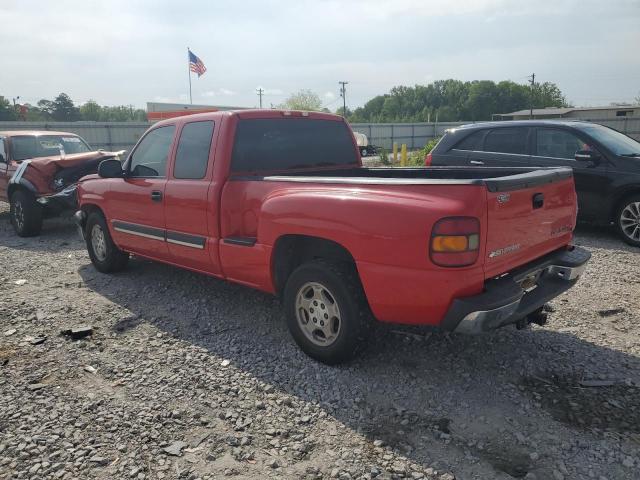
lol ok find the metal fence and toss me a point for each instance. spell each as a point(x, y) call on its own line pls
point(123, 135)
point(416, 135)
point(101, 135)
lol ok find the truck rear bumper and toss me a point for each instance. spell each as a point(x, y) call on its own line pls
point(510, 298)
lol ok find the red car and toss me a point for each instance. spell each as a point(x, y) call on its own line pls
point(279, 201)
point(38, 174)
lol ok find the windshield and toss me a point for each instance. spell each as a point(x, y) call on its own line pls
point(34, 146)
point(617, 142)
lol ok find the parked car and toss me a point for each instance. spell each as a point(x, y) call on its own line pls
point(363, 145)
point(279, 201)
point(38, 174)
point(605, 162)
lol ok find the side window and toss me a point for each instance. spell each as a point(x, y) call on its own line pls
point(192, 155)
point(471, 142)
point(558, 144)
point(149, 159)
point(3, 151)
point(507, 140)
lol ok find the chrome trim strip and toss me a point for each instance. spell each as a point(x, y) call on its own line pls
point(139, 234)
point(185, 244)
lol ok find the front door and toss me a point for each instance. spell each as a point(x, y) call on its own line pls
point(555, 147)
point(136, 203)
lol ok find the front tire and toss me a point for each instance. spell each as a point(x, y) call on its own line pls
point(327, 312)
point(25, 214)
point(628, 220)
point(104, 254)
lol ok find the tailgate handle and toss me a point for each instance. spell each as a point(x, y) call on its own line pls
point(538, 200)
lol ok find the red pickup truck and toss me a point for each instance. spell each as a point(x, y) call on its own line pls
point(279, 201)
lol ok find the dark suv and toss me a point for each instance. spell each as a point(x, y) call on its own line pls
point(605, 162)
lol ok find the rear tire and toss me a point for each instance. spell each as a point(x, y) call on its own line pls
point(25, 213)
point(104, 254)
point(628, 220)
point(327, 311)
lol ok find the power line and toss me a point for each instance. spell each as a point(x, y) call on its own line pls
point(343, 94)
point(532, 81)
point(260, 92)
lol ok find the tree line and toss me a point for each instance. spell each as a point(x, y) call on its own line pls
point(63, 109)
point(453, 100)
point(444, 101)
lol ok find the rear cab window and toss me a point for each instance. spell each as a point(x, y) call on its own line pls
point(192, 155)
point(292, 143)
point(507, 140)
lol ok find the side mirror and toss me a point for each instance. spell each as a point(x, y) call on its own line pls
point(587, 156)
point(110, 168)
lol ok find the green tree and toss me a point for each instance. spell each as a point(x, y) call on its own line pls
point(7, 112)
point(454, 100)
point(303, 100)
point(91, 111)
point(63, 109)
point(548, 94)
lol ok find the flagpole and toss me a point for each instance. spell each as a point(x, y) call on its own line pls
point(189, 71)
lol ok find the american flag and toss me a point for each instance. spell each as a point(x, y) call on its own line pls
point(196, 65)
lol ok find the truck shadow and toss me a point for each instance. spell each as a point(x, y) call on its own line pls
point(419, 391)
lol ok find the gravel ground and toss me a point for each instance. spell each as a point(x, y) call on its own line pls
point(189, 377)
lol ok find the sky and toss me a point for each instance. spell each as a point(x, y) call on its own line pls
point(135, 51)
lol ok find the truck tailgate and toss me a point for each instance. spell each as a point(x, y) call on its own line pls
point(529, 215)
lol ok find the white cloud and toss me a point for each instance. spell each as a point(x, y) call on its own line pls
point(276, 92)
point(220, 92)
point(330, 96)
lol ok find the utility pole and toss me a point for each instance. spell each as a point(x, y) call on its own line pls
point(343, 94)
point(260, 92)
point(532, 81)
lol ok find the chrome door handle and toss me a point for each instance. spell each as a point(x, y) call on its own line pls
point(156, 196)
point(476, 162)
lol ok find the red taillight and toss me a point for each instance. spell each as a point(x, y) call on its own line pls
point(428, 160)
point(455, 241)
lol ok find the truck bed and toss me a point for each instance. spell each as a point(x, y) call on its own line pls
point(496, 179)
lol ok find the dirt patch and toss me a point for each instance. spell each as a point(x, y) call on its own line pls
point(614, 407)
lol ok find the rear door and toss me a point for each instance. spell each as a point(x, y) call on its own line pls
point(529, 218)
point(191, 211)
point(136, 203)
point(556, 147)
point(503, 147)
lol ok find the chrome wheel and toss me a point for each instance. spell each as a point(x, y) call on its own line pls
point(18, 215)
point(98, 243)
point(630, 221)
point(318, 314)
